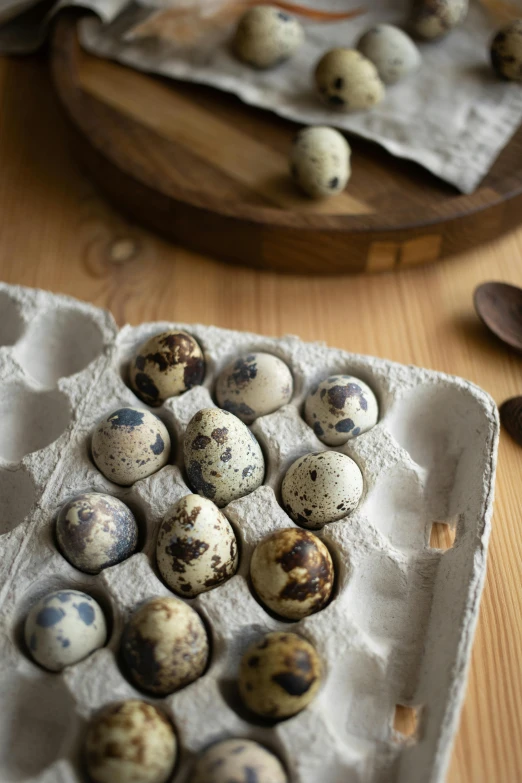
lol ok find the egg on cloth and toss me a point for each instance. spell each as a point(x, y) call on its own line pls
point(266, 36)
point(130, 742)
point(164, 646)
point(340, 408)
point(391, 51)
point(321, 488)
point(432, 19)
point(347, 80)
point(292, 573)
point(95, 531)
point(130, 444)
point(223, 459)
point(196, 548)
point(320, 161)
point(167, 365)
point(279, 675)
point(506, 51)
point(254, 385)
point(238, 761)
point(64, 627)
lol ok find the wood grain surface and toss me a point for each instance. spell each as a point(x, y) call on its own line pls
point(56, 232)
point(199, 166)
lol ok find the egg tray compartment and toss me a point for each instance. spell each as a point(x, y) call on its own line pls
point(395, 639)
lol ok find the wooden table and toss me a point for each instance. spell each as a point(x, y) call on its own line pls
point(57, 233)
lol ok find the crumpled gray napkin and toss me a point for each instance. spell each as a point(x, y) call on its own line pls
point(453, 116)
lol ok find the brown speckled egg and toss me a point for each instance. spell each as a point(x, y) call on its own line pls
point(391, 50)
point(196, 548)
point(254, 385)
point(267, 36)
point(348, 81)
point(292, 573)
point(130, 742)
point(223, 459)
point(166, 365)
point(238, 761)
point(321, 488)
point(95, 531)
point(340, 408)
point(435, 18)
point(506, 51)
point(279, 675)
point(320, 161)
point(165, 646)
point(130, 444)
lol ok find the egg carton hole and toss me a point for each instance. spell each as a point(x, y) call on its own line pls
point(59, 343)
point(406, 723)
point(51, 584)
point(11, 321)
point(443, 535)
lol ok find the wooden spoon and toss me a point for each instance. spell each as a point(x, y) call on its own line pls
point(511, 417)
point(499, 307)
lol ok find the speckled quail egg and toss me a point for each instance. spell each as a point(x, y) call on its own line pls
point(340, 408)
point(320, 161)
point(238, 761)
point(321, 488)
point(435, 18)
point(130, 444)
point(130, 742)
point(95, 531)
point(347, 80)
point(391, 51)
point(267, 36)
point(254, 385)
point(279, 675)
point(223, 459)
point(196, 548)
point(165, 646)
point(166, 365)
point(506, 51)
point(292, 573)
point(64, 627)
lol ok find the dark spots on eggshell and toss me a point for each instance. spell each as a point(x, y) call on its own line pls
point(146, 387)
point(283, 17)
point(293, 684)
point(313, 475)
point(248, 471)
point(85, 612)
point(126, 417)
point(253, 661)
point(245, 370)
point(338, 83)
point(238, 409)
point(251, 775)
point(337, 395)
point(33, 642)
point(139, 654)
point(345, 425)
point(158, 446)
point(334, 183)
point(194, 371)
point(200, 442)
point(184, 551)
point(226, 456)
point(336, 100)
point(49, 616)
point(198, 482)
point(318, 430)
point(220, 435)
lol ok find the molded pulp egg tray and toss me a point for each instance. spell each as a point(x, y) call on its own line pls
point(399, 628)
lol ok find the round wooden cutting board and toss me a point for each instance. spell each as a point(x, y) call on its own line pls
point(202, 168)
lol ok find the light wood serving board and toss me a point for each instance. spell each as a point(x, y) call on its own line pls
point(202, 168)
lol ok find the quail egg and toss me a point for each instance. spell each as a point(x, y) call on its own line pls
point(64, 627)
point(506, 51)
point(238, 761)
point(267, 36)
point(292, 573)
point(130, 742)
point(321, 488)
point(130, 444)
point(391, 51)
point(320, 161)
point(435, 18)
point(166, 365)
point(279, 675)
point(196, 548)
point(95, 531)
point(340, 408)
point(254, 385)
point(347, 80)
point(165, 646)
point(223, 459)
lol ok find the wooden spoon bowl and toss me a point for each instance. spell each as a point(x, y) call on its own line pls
point(499, 307)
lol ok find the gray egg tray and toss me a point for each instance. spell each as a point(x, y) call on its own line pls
point(400, 628)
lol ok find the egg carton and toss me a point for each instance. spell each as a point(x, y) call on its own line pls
point(395, 640)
